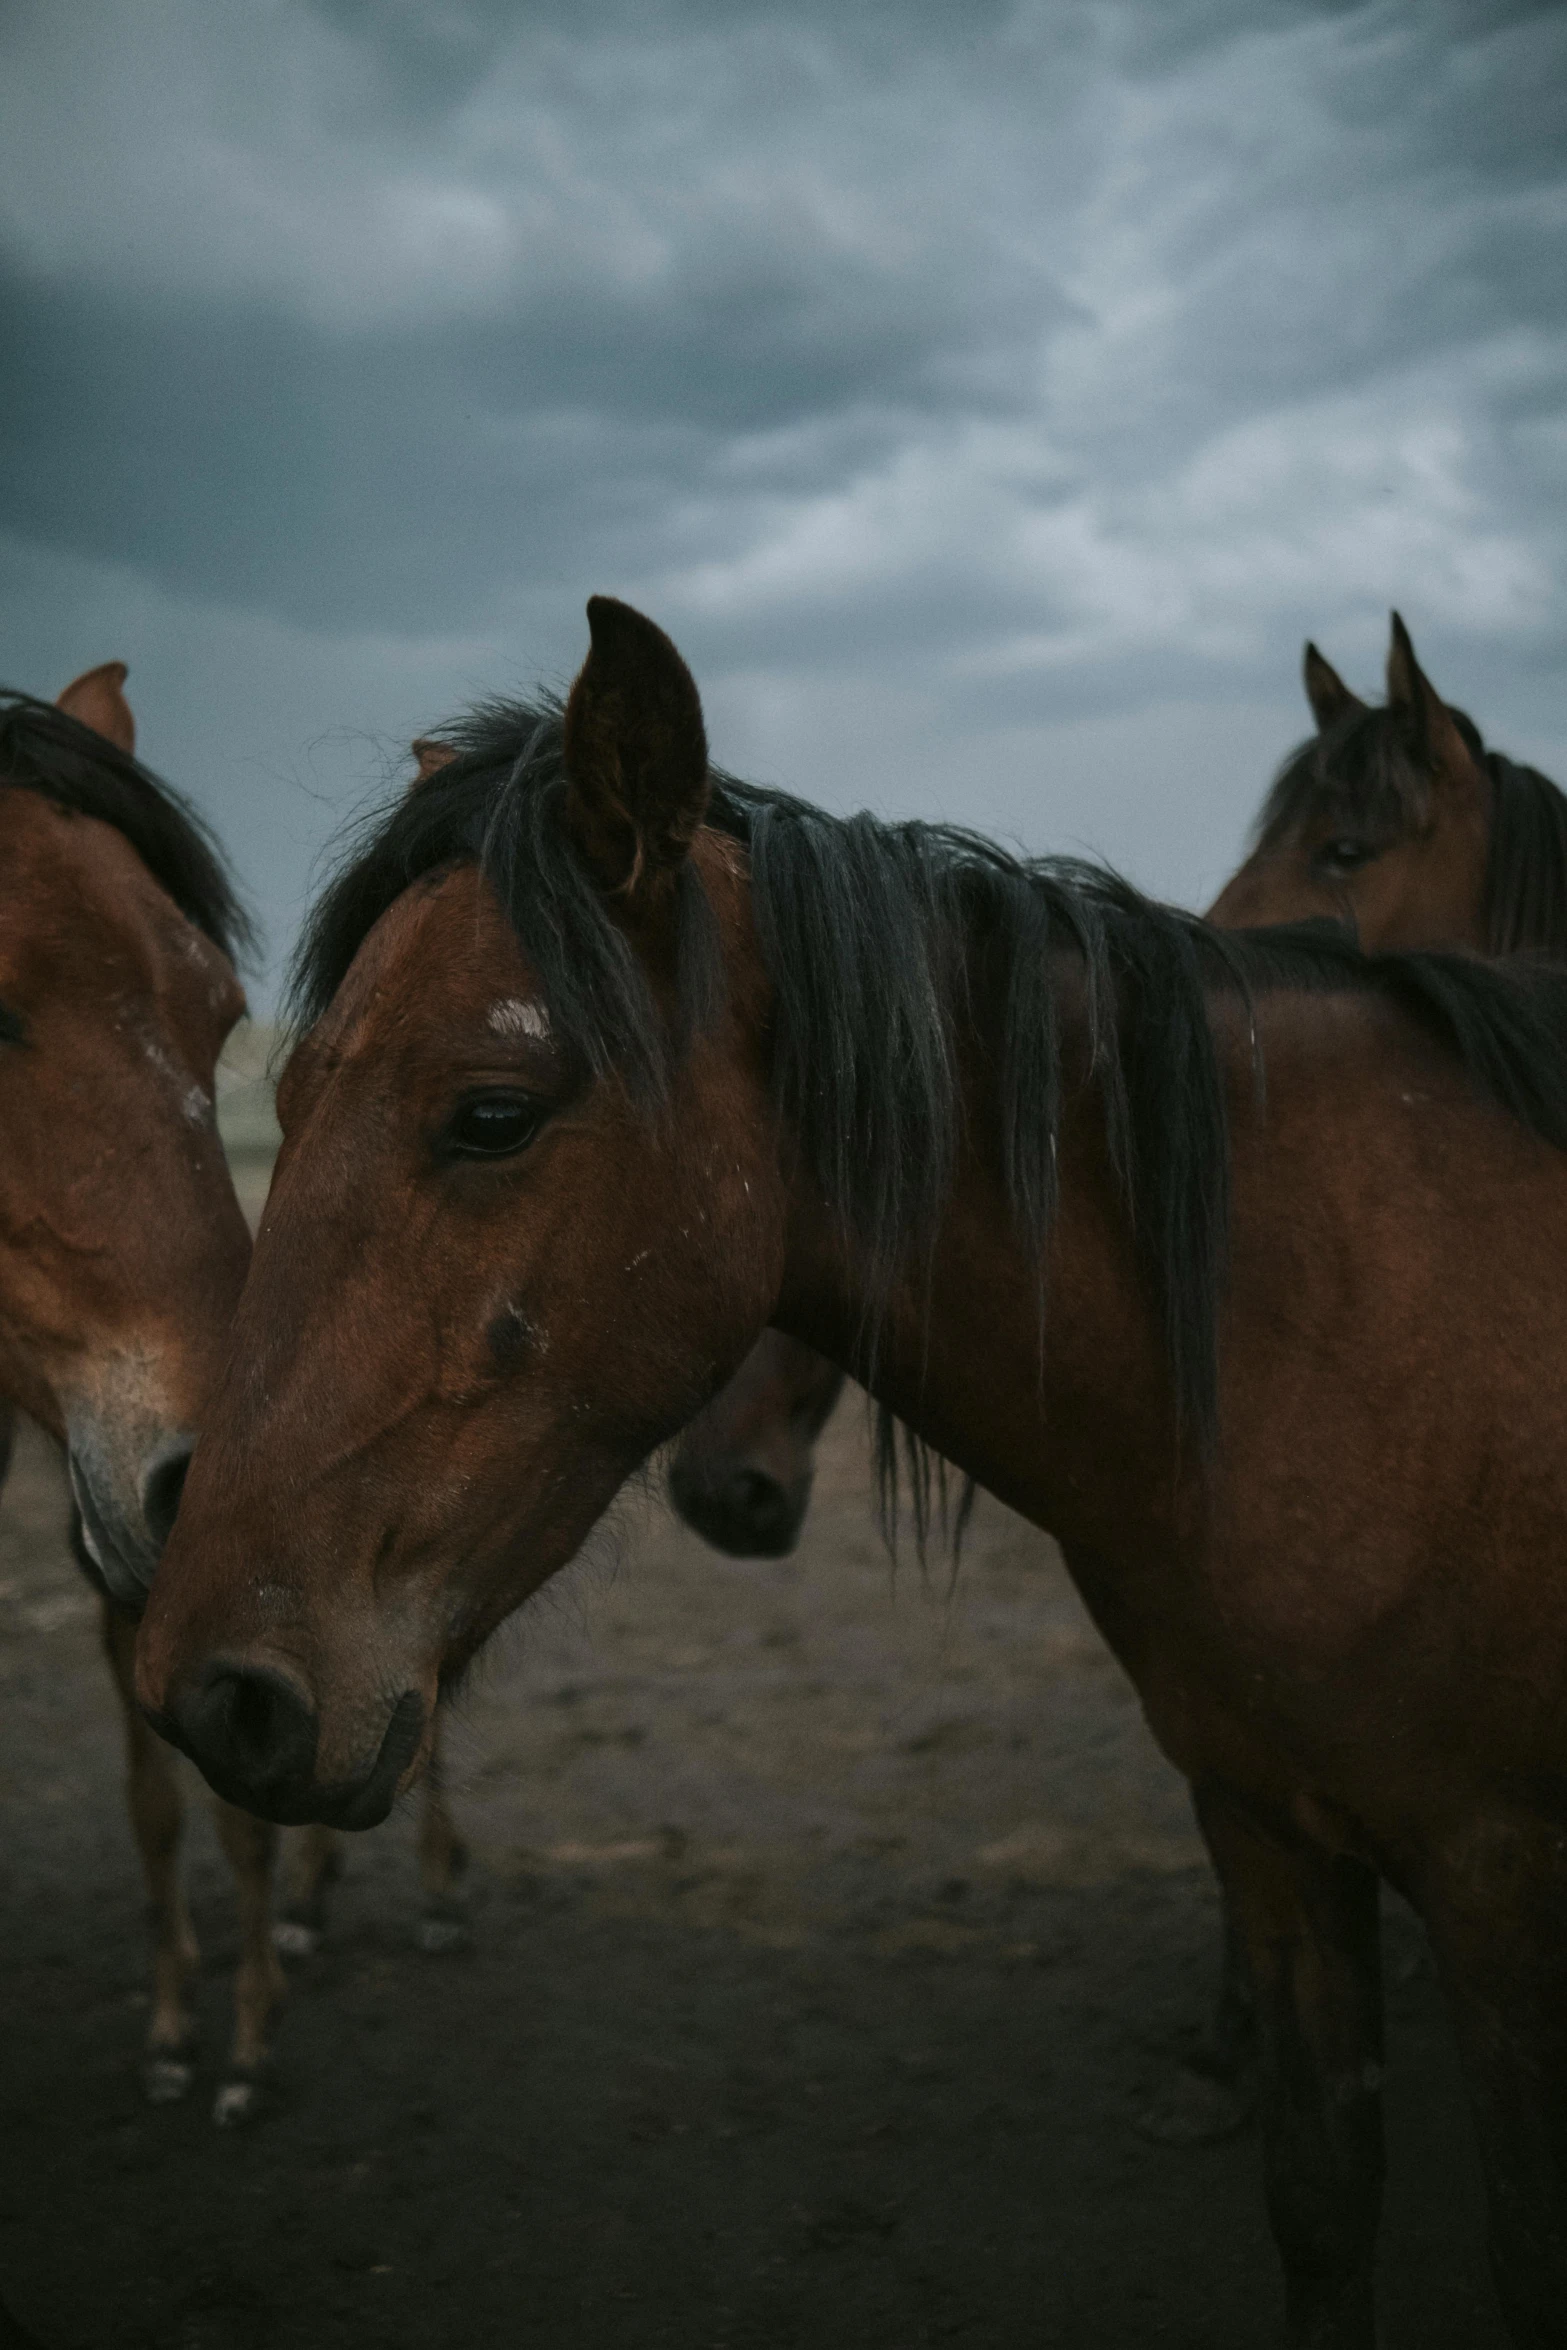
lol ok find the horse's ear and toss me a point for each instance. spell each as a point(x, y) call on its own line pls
point(97, 699)
point(1329, 696)
point(432, 755)
point(635, 752)
point(1410, 690)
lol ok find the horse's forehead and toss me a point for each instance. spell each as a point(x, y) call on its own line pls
point(70, 877)
point(48, 848)
point(443, 951)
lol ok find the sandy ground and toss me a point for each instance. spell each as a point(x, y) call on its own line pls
point(837, 1940)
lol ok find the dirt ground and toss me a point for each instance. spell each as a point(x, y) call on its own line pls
point(836, 1942)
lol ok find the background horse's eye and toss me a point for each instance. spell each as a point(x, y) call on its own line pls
point(1343, 856)
point(492, 1126)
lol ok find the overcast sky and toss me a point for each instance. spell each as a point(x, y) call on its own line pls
point(988, 398)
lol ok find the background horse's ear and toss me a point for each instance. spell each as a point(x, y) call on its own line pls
point(1329, 696)
point(1411, 691)
point(432, 755)
point(636, 752)
point(97, 699)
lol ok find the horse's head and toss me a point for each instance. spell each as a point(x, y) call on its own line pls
point(741, 1473)
point(1382, 820)
point(122, 1247)
point(527, 1214)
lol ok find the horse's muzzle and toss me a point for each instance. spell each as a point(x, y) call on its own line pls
point(253, 1733)
point(746, 1512)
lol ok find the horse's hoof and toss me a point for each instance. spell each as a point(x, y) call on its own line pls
point(292, 1938)
point(442, 1937)
point(238, 2101)
point(166, 2079)
point(1192, 2109)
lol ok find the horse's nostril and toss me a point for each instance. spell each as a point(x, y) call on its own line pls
point(751, 1493)
point(162, 1486)
point(252, 1732)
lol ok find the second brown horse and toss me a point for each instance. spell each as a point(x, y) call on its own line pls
point(628, 1062)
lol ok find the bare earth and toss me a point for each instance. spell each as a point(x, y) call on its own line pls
point(836, 1941)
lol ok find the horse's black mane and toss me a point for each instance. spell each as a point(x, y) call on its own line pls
point(45, 751)
point(883, 942)
point(1367, 768)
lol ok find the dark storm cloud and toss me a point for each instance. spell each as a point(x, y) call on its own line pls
point(944, 375)
point(237, 445)
point(243, 455)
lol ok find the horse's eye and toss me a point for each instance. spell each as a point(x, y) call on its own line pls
point(492, 1126)
point(1344, 856)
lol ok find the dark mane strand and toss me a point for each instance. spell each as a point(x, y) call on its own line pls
point(901, 1461)
point(889, 947)
point(1526, 870)
point(43, 750)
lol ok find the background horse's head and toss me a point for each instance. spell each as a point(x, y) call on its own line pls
point(1382, 820)
point(741, 1473)
point(528, 1214)
point(122, 1246)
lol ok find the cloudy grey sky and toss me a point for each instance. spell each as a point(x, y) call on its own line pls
point(988, 395)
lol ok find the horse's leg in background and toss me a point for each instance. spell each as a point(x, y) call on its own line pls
point(315, 1863)
point(1307, 1922)
point(1499, 1930)
point(251, 1846)
point(153, 1796)
point(443, 1857)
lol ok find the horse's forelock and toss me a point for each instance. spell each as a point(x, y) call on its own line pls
point(44, 749)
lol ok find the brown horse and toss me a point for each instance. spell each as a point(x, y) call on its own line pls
point(1396, 819)
point(1399, 820)
point(625, 1061)
point(122, 1246)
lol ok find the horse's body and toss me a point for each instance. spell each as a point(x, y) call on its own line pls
point(1395, 819)
point(122, 1246)
point(960, 1125)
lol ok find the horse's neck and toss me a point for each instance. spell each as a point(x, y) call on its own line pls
point(1044, 1382)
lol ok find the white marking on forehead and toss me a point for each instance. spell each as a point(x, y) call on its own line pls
point(516, 1016)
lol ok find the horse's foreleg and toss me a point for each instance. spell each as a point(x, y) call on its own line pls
point(153, 1800)
point(1498, 1925)
point(443, 1857)
point(1307, 1924)
point(251, 1846)
point(314, 1864)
